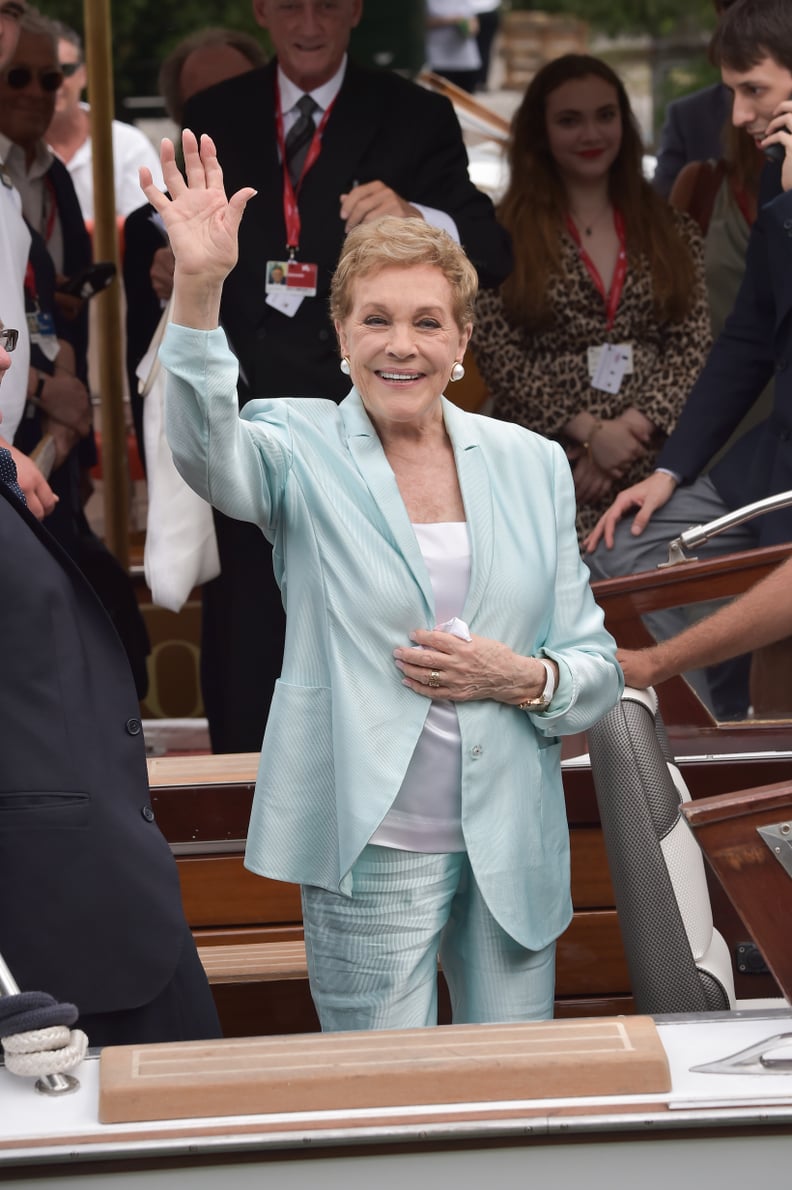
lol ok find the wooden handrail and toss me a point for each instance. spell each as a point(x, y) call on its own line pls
point(625, 600)
point(744, 836)
point(475, 113)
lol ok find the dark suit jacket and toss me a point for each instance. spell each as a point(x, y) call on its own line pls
point(755, 344)
point(91, 908)
point(692, 131)
point(77, 254)
point(382, 127)
point(142, 238)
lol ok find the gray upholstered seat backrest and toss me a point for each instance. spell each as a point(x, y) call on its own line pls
point(677, 961)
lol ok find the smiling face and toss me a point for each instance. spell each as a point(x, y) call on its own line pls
point(402, 342)
point(584, 127)
point(25, 112)
point(310, 36)
point(757, 93)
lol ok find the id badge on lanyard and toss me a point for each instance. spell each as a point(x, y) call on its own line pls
point(41, 325)
point(290, 280)
point(608, 363)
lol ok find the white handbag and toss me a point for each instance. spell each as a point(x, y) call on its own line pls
point(181, 547)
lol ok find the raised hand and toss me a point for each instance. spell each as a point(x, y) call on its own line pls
point(202, 224)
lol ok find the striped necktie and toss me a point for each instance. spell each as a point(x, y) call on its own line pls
point(8, 474)
point(300, 137)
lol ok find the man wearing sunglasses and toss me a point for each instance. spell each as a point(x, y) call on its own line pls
point(14, 249)
point(55, 386)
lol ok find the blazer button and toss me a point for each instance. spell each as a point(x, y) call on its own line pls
point(148, 813)
point(476, 750)
point(134, 726)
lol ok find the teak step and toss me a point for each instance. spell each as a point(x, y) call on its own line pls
point(254, 962)
point(337, 1071)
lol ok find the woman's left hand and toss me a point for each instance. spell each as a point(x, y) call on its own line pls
point(464, 670)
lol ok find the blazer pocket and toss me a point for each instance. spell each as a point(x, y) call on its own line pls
point(44, 811)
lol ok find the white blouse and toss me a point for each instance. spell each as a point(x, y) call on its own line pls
point(426, 814)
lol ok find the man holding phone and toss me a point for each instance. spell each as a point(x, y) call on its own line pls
point(49, 204)
point(753, 45)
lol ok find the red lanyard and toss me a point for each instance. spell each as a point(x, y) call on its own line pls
point(50, 205)
point(612, 298)
point(291, 212)
point(30, 284)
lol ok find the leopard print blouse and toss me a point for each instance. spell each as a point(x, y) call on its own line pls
point(541, 380)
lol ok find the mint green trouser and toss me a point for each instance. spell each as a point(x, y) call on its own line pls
point(372, 958)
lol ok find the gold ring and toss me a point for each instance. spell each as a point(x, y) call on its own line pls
point(434, 679)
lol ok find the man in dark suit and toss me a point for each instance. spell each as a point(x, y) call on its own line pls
point(692, 131)
point(378, 145)
point(61, 246)
point(754, 47)
point(92, 909)
point(693, 128)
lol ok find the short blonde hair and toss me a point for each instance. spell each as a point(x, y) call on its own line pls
point(402, 243)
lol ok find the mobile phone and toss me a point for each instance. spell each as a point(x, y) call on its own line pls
point(90, 281)
point(775, 152)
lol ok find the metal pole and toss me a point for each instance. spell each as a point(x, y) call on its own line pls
point(108, 308)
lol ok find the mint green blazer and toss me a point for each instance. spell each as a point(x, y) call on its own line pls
point(342, 727)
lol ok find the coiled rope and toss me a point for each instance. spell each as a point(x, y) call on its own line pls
point(36, 1037)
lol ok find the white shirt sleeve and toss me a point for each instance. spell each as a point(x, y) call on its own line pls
point(441, 219)
point(131, 149)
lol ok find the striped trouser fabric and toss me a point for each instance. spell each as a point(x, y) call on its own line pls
point(372, 958)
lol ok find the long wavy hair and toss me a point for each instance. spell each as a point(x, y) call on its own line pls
point(535, 204)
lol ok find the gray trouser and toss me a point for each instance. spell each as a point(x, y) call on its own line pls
point(692, 504)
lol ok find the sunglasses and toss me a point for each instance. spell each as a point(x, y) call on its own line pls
point(20, 77)
point(9, 339)
point(67, 69)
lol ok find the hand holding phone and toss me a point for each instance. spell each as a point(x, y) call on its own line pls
point(90, 281)
point(777, 151)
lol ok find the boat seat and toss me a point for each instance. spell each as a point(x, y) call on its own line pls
point(678, 962)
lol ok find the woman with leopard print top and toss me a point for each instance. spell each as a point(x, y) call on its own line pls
point(598, 334)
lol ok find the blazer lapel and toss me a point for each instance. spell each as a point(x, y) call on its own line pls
point(474, 481)
point(366, 450)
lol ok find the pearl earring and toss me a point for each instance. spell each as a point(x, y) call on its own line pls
point(458, 371)
point(344, 365)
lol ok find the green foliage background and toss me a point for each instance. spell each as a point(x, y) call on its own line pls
point(145, 30)
point(659, 18)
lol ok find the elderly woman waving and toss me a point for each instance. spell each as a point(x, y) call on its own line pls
point(441, 632)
